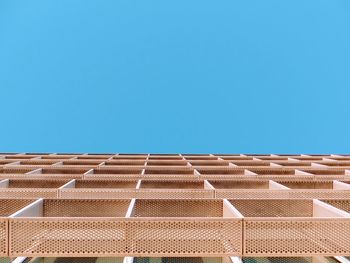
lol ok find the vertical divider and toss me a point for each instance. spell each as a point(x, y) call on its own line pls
point(277, 186)
point(58, 163)
point(347, 173)
point(321, 209)
point(198, 174)
point(299, 172)
point(229, 210)
point(318, 165)
point(342, 259)
point(272, 164)
point(250, 173)
point(138, 185)
point(243, 236)
point(91, 171)
point(7, 238)
point(143, 172)
point(338, 185)
point(101, 164)
point(36, 171)
point(146, 162)
point(13, 163)
point(236, 260)
point(128, 260)
point(130, 208)
point(70, 184)
point(129, 229)
point(209, 186)
point(35, 209)
point(328, 159)
point(188, 164)
point(4, 183)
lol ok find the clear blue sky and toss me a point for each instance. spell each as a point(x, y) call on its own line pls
point(175, 76)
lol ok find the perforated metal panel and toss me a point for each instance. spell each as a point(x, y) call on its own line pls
point(28, 193)
point(112, 173)
point(169, 171)
point(201, 231)
point(172, 184)
point(92, 237)
point(98, 193)
point(229, 172)
point(161, 173)
point(274, 208)
point(273, 171)
point(178, 260)
point(8, 207)
point(333, 173)
point(85, 208)
point(176, 213)
point(174, 193)
point(3, 237)
point(76, 260)
point(295, 236)
point(176, 189)
point(101, 189)
point(68, 237)
point(310, 184)
point(288, 260)
point(278, 260)
point(195, 237)
point(110, 184)
point(278, 194)
point(32, 188)
point(240, 184)
point(178, 208)
point(179, 227)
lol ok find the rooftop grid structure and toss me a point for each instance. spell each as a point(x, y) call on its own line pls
point(174, 208)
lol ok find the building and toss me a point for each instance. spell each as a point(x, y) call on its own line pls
point(174, 208)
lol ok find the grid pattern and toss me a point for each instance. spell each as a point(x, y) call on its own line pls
point(174, 205)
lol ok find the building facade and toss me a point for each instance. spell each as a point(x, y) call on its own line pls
point(59, 207)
